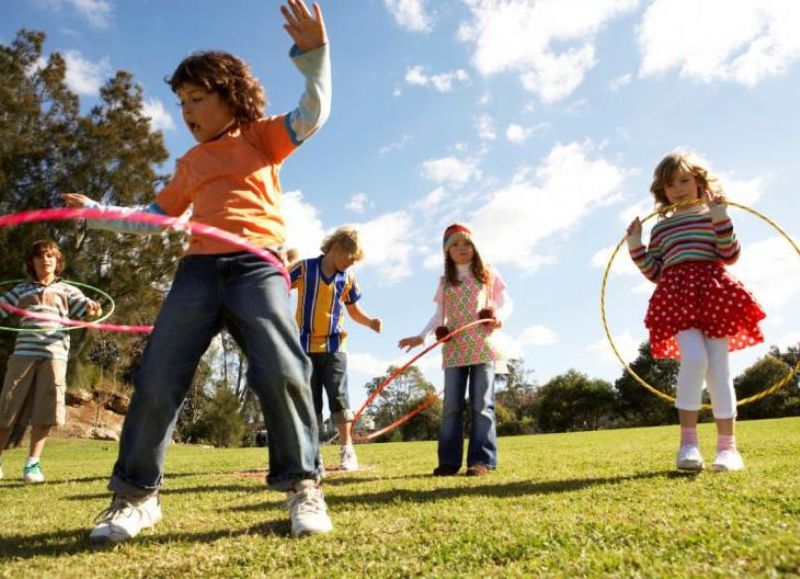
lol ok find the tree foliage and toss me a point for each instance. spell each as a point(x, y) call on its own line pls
point(408, 391)
point(638, 407)
point(48, 147)
point(573, 401)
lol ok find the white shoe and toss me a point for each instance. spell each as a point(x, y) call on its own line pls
point(727, 461)
point(308, 511)
point(1, 470)
point(33, 474)
point(124, 518)
point(348, 459)
point(689, 458)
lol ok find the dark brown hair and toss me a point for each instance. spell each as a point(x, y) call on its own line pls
point(477, 267)
point(40, 248)
point(228, 76)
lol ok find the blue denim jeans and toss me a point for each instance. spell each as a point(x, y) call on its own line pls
point(483, 436)
point(329, 373)
point(248, 296)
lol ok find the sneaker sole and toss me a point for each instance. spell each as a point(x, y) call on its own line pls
point(692, 466)
point(309, 532)
point(721, 468)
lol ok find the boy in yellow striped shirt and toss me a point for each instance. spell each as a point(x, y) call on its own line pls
point(325, 290)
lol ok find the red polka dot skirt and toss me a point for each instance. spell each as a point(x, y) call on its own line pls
point(704, 296)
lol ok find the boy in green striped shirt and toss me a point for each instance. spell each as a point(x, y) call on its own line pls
point(34, 387)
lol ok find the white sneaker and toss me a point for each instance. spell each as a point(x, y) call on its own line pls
point(727, 461)
point(124, 518)
point(347, 457)
point(1, 470)
point(33, 474)
point(308, 511)
point(689, 458)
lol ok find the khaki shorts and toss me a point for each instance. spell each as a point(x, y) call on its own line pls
point(33, 392)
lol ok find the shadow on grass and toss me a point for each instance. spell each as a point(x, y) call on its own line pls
point(487, 489)
point(73, 542)
point(193, 490)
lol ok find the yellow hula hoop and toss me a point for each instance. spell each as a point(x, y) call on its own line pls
point(759, 395)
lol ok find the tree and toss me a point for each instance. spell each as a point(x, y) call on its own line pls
point(637, 406)
point(572, 401)
point(764, 373)
point(515, 400)
point(402, 396)
point(48, 147)
point(223, 419)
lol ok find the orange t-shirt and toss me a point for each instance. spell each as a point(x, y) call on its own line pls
point(232, 183)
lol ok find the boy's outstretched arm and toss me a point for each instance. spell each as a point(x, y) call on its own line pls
point(360, 317)
point(307, 30)
point(311, 56)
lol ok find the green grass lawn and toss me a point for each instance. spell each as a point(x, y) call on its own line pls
point(594, 503)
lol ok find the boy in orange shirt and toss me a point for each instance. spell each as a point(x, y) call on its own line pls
point(230, 179)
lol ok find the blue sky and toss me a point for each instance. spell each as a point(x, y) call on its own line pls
point(539, 122)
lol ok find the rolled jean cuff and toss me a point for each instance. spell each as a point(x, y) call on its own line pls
point(343, 416)
point(284, 484)
point(118, 486)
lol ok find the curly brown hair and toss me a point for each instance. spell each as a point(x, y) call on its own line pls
point(681, 161)
point(40, 248)
point(477, 267)
point(228, 76)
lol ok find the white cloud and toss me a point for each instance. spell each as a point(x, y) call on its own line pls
point(304, 230)
point(387, 240)
point(451, 170)
point(97, 12)
point(395, 146)
point(623, 264)
point(770, 269)
point(745, 193)
point(518, 134)
point(83, 76)
point(485, 126)
point(358, 203)
point(442, 82)
point(537, 335)
point(368, 364)
point(619, 82)
point(160, 119)
point(410, 14)
point(527, 36)
point(432, 201)
point(565, 188)
point(627, 345)
point(744, 41)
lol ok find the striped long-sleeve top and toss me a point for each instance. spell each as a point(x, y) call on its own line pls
point(688, 237)
point(57, 300)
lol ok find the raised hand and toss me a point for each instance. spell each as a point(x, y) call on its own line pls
point(634, 233)
point(75, 199)
point(716, 205)
point(307, 30)
point(409, 343)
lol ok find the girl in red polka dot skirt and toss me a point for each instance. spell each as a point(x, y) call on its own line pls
point(698, 312)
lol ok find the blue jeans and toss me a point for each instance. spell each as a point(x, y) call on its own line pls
point(329, 373)
point(248, 296)
point(483, 436)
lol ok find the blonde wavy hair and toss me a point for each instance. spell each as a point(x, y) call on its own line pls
point(346, 237)
point(681, 162)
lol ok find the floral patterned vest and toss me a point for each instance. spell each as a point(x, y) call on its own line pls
point(461, 305)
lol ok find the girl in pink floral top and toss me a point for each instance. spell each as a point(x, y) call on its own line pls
point(468, 291)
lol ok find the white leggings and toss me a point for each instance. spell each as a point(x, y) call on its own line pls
point(704, 358)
